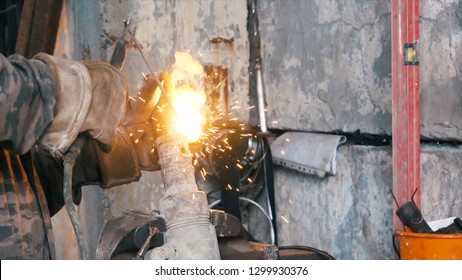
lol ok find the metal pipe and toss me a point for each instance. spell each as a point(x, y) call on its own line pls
point(190, 235)
point(261, 100)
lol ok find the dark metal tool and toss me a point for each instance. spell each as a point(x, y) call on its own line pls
point(153, 230)
point(121, 45)
point(128, 233)
point(411, 216)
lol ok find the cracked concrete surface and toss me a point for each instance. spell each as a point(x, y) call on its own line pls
point(327, 66)
point(324, 60)
point(350, 214)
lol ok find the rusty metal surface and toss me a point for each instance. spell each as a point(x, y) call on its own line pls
point(189, 235)
point(241, 249)
point(126, 233)
point(226, 225)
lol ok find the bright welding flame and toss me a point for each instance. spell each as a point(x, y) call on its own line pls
point(187, 96)
point(189, 119)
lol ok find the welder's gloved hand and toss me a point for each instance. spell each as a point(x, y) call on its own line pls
point(91, 98)
point(135, 149)
point(140, 124)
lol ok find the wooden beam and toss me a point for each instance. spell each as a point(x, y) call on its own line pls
point(38, 28)
point(25, 25)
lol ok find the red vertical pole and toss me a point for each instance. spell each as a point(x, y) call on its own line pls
point(413, 83)
point(405, 105)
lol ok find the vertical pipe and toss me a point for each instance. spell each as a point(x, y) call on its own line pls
point(261, 100)
point(405, 104)
point(399, 105)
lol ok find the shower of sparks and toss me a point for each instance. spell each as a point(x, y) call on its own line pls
point(203, 173)
point(187, 96)
point(201, 122)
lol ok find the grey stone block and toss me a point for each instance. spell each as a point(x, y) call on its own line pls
point(350, 215)
point(327, 66)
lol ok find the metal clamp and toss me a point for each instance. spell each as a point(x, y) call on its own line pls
point(410, 54)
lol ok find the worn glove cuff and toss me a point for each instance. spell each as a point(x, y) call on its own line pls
point(108, 103)
point(73, 92)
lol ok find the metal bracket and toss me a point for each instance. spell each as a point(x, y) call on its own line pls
point(122, 44)
point(128, 233)
point(410, 54)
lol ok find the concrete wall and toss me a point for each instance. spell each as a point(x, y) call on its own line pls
point(441, 69)
point(327, 64)
point(214, 32)
point(350, 214)
point(326, 67)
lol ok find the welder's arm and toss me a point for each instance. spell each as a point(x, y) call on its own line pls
point(46, 102)
point(27, 102)
point(132, 152)
point(91, 98)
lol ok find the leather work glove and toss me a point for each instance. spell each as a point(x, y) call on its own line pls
point(141, 124)
point(91, 98)
point(135, 149)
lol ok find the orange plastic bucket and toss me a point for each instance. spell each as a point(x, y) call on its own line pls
point(427, 246)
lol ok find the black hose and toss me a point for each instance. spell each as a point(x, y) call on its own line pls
point(395, 247)
point(307, 248)
point(269, 184)
point(69, 161)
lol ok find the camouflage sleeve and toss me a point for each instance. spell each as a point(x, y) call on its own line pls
point(27, 101)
